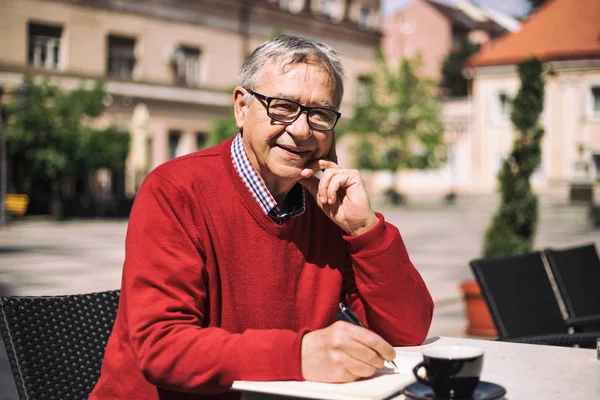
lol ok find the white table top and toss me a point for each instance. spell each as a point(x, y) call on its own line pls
point(526, 371)
point(532, 371)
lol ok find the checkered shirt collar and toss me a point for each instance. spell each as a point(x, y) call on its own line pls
point(258, 189)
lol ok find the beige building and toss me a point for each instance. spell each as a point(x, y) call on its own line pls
point(478, 128)
point(170, 66)
point(430, 30)
point(565, 37)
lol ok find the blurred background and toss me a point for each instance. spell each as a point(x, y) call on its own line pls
point(96, 93)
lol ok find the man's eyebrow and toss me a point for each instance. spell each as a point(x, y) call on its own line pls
point(325, 104)
point(286, 97)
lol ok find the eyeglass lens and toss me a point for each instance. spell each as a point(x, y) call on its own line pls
point(287, 111)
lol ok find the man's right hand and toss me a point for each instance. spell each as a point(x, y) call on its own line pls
point(343, 352)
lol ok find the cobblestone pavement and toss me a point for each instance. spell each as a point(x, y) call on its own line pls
point(40, 257)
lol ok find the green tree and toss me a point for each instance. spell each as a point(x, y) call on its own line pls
point(513, 226)
point(221, 129)
point(452, 78)
point(397, 121)
point(53, 138)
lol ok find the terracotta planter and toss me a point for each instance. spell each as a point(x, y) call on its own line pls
point(480, 321)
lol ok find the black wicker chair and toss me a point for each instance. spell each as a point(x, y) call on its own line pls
point(576, 271)
point(55, 344)
point(522, 302)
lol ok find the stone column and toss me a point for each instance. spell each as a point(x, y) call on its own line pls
point(160, 144)
point(187, 142)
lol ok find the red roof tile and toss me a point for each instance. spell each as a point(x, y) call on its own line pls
point(559, 30)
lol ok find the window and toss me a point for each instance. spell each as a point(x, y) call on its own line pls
point(328, 8)
point(174, 141)
point(201, 138)
point(596, 159)
point(44, 46)
point(186, 64)
point(504, 106)
point(498, 107)
point(121, 58)
point(408, 26)
point(595, 99)
point(363, 17)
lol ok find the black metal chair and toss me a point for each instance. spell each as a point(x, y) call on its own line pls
point(522, 302)
point(576, 271)
point(55, 344)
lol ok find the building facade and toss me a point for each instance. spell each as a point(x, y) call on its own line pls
point(478, 129)
point(418, 30)
point(571, 117)
point(170, 66)
point(431, 30)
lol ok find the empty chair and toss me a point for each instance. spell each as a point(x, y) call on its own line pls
point(522, 303)
point(576, 271)
point(55, 344)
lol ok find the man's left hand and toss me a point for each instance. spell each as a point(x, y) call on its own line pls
point(342, 196)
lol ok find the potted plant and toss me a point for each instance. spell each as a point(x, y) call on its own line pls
point(513, 225)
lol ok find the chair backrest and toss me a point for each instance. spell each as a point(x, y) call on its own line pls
point(55, 344)
point(577, 274)
point(519, 295)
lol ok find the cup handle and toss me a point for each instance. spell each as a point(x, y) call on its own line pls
point(416, 374)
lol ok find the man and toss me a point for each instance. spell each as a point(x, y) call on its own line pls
point(237, 256)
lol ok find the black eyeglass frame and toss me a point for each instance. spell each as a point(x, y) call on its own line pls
point(302, 109)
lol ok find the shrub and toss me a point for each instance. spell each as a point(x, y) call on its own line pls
point(513, 226)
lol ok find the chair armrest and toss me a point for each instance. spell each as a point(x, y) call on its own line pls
point(585, 321)
point(582, 339)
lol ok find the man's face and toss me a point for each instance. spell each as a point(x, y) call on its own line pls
point(279, 151)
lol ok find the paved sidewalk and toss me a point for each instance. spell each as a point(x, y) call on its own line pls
point(39, 257)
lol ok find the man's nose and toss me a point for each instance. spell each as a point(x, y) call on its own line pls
point(300, 128)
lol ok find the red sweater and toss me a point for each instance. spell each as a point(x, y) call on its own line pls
point(213, 290)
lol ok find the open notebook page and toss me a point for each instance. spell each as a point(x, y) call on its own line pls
point(385, 383)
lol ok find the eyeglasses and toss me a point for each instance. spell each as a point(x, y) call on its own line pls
point(288, 111)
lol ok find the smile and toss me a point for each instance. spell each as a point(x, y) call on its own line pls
point(299, 152)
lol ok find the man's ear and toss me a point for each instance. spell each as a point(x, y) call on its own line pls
point(239, 106)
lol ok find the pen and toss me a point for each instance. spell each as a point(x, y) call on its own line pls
point(347, 315)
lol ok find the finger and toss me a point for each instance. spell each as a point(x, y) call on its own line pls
point(356, 341)
point(347, 368)
point(317, 165)
point(312, 186)
point(359, 368)
point(336, 182)
point(366, 355)
point(324, 184)
point(374, 342)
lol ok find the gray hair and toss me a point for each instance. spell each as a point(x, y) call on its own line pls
point(289, 50)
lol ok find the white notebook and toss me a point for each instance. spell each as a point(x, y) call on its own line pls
point(385, 383)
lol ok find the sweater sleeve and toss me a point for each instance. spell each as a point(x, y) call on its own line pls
point(385, 289)
point(163, 295)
